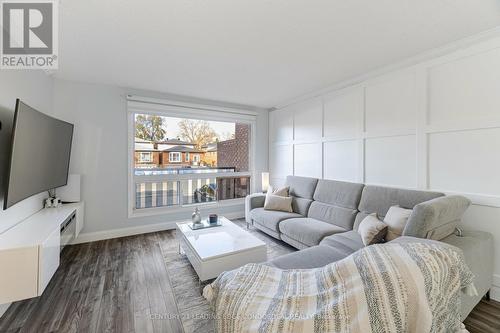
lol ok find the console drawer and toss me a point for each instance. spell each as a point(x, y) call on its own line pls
point(49, 259)
point(19, 274)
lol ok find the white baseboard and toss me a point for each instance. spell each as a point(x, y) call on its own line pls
point(3, 308)
point(137, 230)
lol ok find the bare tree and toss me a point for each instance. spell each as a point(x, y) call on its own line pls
point(150, 128)
point(198, 132)
point(224, 136)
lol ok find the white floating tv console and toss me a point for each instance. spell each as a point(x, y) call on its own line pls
point(29, 251)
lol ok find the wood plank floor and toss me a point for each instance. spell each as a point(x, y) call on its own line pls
point(484, 318)
point(115, 285)
point(106, 286)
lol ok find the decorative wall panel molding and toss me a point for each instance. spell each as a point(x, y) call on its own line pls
point(435, 125)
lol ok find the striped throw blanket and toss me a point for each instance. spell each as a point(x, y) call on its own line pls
point(395, 287)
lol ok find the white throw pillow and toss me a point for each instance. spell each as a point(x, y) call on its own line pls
point(396, 219)
point(372, 230)
point(276, 202)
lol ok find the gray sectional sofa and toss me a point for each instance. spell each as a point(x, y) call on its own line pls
point(326, 215)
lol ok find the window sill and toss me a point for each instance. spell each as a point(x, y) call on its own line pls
point(155, 211)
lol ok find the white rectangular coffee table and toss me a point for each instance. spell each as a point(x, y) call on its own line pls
point(212, 251)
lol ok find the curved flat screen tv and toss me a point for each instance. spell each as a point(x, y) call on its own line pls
point(39, 155)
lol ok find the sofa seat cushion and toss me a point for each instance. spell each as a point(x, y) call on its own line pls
point(312, 257)
point(308, 231)
point(346, 242)
point(270, 218)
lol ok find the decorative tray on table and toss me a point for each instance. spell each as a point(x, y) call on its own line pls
point(204, 225)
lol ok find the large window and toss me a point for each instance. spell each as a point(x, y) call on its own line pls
point(174, 157)
point(199, 160)
point(145, 157)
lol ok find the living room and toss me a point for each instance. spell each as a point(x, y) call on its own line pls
point(227, 166)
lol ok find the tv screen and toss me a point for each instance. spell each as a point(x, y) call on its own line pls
point(39, 156)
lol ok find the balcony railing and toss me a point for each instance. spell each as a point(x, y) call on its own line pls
point(181, 171)
point(188, 188)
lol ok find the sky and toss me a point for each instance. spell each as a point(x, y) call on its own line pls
point(219, 127)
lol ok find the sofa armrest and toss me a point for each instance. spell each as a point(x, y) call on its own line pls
point(252, 201)
point(436, 218)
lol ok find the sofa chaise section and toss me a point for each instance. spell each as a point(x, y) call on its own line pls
point(330, 249)
point(477, 247)
point(312, 257)
point(332, 217)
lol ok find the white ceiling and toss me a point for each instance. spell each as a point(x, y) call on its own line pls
point(254, 52)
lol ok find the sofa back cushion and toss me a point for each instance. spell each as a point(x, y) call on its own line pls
point(302, 190)
point(378, 199)
point(437, 218)
point(336, 202)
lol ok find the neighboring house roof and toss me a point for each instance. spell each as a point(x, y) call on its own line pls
point(167, 145)
point(166, 142)
point(176, 142)
point(212, 147)
point(163, 146)
point(183, 149)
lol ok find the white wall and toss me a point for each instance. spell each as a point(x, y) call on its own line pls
point(35, 89)
point(434, 125)
point(99, 154)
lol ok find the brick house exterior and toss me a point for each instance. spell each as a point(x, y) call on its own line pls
point(234, 152)
point(146, 154)
point(210, 156)
point(181, 154)
point(188, 156)
point(171, 153)
point(147, 158)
